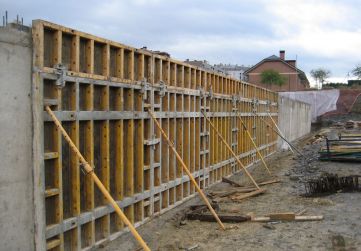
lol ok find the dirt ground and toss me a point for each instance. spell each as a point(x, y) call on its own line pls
point(340, 229)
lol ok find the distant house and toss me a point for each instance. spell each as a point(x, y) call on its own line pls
point(205, 65)
point(296, 80)
point(235, 71)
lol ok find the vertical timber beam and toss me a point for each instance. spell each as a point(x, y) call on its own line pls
point(38, 137)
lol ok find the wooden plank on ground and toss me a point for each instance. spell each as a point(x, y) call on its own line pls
point(297, 218)
point(235, 183)
point(282, 216)
point(239, 197)
point(231, 191)
point(247, 195)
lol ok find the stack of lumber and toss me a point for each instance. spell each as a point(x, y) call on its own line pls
point(347, 149)
point(234, 194)
point(237, 192)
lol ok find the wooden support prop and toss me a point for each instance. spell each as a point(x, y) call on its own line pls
point(89, 171)
point(247, 195)
point(229, 181)
point(235, 183)
point(185, 168)
point(254, 144)
point(230, 149)
point(277, 131)
point(284, 138)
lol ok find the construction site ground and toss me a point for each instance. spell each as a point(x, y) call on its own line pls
point(339, 230)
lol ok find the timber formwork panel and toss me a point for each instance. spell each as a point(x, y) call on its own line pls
point(100, 91)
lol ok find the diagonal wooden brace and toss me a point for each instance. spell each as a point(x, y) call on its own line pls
point(185, 168)
point(254, 144)
point(230, 149)
point(89, 171)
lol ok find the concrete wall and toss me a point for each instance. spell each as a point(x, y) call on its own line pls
point(321, 101)
point(294, 119)
point(16, 181)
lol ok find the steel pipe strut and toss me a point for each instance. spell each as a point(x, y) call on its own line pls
point(230, 149)
point(278, 131)
point(89, 171)
point(185, 168)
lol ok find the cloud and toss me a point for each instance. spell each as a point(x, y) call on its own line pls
point(324, 33)
point(328, 28)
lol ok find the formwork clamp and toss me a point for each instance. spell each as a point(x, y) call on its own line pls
point(235, 99)
point(162, 88)
point(60, 72)
point(255, 103)
point(210, 93)
point(268, 104)
point(83, 169)
point(202, 92)
point(145, 86)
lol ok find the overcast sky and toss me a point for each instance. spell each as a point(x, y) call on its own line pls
point(323, 33)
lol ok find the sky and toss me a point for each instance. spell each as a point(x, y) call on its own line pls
point(323, 33)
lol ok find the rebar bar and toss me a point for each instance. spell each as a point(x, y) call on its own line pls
point(331, 183)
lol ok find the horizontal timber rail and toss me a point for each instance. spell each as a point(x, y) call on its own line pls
point(101, 92)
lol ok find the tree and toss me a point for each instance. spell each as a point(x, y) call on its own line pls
point(357, 71)
point(320, 75)
point(272, 77)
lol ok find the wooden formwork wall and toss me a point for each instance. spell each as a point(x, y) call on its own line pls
point(101, 97)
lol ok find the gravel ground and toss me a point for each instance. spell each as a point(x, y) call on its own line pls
point(340, 229)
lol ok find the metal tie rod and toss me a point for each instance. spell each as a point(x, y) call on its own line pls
point(89, 170)
point(185, 168)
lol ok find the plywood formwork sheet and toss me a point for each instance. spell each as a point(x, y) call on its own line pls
point(101, 96)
